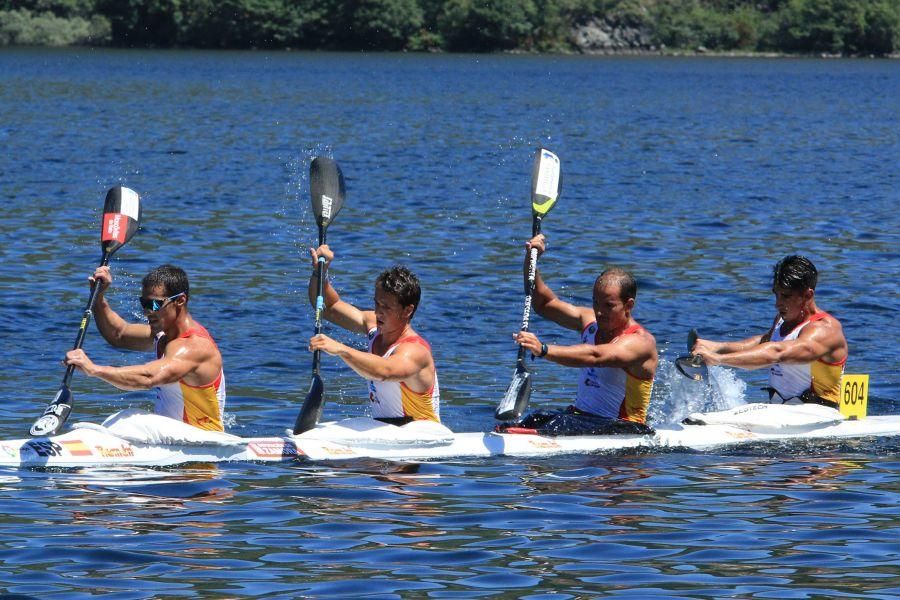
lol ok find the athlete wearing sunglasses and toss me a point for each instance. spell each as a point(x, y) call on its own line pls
point(156, 304)
point(187, 373)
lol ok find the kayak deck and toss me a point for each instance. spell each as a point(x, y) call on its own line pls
point(84, 447)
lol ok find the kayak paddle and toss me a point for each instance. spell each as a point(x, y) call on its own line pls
point(326, 185)
point(692, 366)
point(546, 182)
point(121, 219)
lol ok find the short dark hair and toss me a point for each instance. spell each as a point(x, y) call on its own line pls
point(173, 280)
point(795, 272)
point(402, 283)
point(626, 282)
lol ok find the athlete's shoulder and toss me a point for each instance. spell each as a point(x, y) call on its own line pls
point(645, 334)
point(201, 346)
point(587, 317)
point(415, 342)
point(823, 322)
point(643, 338)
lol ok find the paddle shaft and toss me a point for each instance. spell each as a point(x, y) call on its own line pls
point(530, 285)
point(86, 317)
point(320, 299)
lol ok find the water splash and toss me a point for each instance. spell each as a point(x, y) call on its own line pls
point(676, 396)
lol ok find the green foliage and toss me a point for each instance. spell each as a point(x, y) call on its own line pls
point(473, 25)
point(690, 24)
point(803, 26)
point(384, 24)
point(137, 23)
point(60, 8)
point(839, 26)
point(241, 24)
point(880, 33)
point(24, 28)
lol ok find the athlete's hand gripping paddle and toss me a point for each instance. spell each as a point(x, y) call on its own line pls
point(692, 366)
point(546, 183)
point(326, 185)
point(121, 219)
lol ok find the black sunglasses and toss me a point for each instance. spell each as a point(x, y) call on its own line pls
point(154, 304)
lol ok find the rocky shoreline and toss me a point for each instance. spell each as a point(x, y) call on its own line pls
point(605, 37)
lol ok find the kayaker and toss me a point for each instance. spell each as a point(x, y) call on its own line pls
point(804, 349)
point(399, 366)
point(616, 357)
point(187, 373)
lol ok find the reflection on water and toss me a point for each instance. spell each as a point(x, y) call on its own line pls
point(576, 525)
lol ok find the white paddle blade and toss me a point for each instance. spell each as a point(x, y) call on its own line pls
point(545, 181)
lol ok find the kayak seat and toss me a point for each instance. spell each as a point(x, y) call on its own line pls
point(565, 423)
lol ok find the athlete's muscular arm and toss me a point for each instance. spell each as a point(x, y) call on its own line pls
point(183, 358)
point(706, 347)
point(545, 301)
point(114, 329)
point(817, 341)
point(710, 347)
point(342, 314)
point(627, 352)
point(407, 361)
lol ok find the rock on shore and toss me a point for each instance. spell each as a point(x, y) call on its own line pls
point(599, 36)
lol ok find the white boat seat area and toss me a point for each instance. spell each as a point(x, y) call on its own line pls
point(366, 432)
point(771, 418)
point(142, 427)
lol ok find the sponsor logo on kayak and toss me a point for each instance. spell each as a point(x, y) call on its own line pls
point(272, 449)
point(44, 449)
point(115, 227)
point(123, 451)
point(540, 442)
point(337, 450)
point(9, 451)
point(77, 448)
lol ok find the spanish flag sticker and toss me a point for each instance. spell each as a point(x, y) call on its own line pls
point(77, 448)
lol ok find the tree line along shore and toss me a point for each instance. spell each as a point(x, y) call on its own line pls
point(813, 27)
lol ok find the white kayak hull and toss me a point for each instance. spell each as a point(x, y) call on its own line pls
point(95, 445)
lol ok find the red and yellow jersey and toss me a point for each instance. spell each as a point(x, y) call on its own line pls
point(610, 391)
point(200, 406)
point(393, 399)
point(823, 378)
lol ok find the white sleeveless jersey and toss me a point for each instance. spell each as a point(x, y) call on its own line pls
point(394, 399)
point(790, 381)
point(610, 391)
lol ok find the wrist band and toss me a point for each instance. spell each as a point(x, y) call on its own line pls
point(544, 350)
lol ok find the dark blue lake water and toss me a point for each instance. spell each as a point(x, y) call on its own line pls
point(697, 174)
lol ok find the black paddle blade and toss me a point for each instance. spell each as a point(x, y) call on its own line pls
point(312, 406)
point(692, 367)
point(546, 182)
point(517, 395)
point(55, 415)
point(121, 218)
point(326, 184)
point(692, 339)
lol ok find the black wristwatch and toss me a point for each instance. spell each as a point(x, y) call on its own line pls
point(544, 350)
